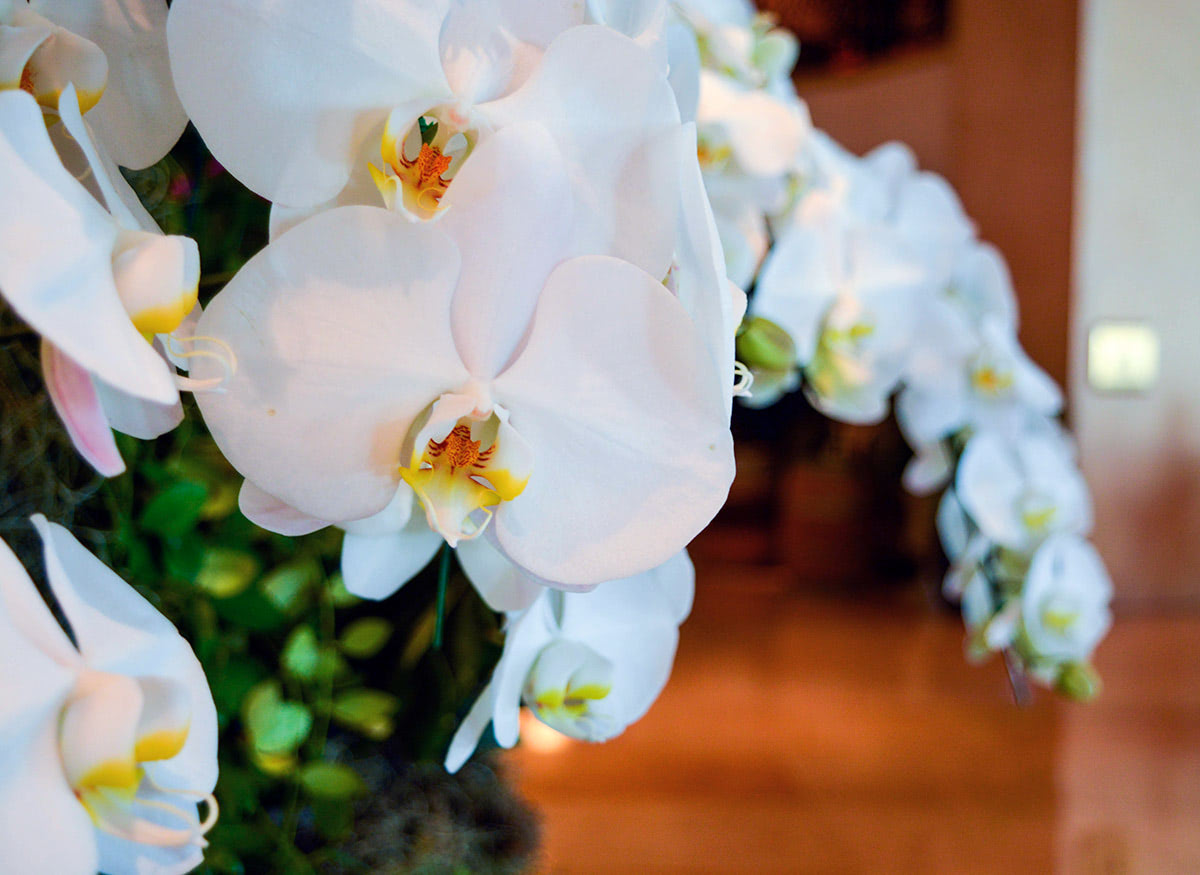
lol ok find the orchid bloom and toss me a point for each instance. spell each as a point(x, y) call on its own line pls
point(843, 291)
point(382, 552)
point(586, 664)
point(98, 286)
point(1065, 600)
point(1021, 491)
point(107, 744)
point(114, 52)
point(573, 406)
point(312, 105)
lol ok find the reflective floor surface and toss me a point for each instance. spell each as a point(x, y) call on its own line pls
point(805, 733)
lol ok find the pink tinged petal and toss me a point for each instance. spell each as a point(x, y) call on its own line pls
point(78, 405)
point(118, 631)
point(270, 513)
point(509, 210)
point(56, 260)
point(609, 108)
point(375, 566)
point(619, 400)
point(139, 117)
point(135, 417)
point(341, 329)
point(285, 94)
point(503, 584)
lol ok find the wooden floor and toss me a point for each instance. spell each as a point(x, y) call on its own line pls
point(814, 734)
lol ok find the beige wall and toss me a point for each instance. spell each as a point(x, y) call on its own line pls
point(1138, 257)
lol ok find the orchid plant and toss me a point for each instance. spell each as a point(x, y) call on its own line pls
point(500, 320)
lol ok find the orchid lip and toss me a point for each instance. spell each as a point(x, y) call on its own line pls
point(421, 161)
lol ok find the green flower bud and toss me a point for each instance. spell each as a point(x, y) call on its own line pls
point(1078, 681)
point(764, 346)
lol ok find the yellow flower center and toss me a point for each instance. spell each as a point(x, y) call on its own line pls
point(463, 475)
point(419, 164)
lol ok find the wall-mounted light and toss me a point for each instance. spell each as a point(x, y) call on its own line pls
point(1122, 356)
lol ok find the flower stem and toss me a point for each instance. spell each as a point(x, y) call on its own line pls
point(443, 578)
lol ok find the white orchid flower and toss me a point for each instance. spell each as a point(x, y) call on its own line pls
point(114, 52)
point(302, 101)
point(844, 292)
point(586, 664)
point(92, 281)
point(1065, 600)
point(107, 744)
point(381, 553)
point(574, 406)
point(1019, 492)
point(990, 384)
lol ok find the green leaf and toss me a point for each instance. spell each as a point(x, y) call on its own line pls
point(364, 638)
point(225, 573)
point(251, 610)
point(175, 510)
point(289, 586)
point(369, 712)
point(301, 657)
point(233, 681)
point(323, 780)
point(339, 595)
point(276, 727)
point(333, 818)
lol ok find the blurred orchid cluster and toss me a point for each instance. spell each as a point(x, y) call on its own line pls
point(494, 326)
point(869, 282)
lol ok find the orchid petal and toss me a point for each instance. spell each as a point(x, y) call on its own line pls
point(78, 405)
point(118, 631)
point(56, 260)
point(135, 417)
point(466, 737)
point(608, 106)
point(477, 54)
point(375, 566)
point(766, 133)
point(795, 288)
point(624, 410)
point(516, 173)
point(98, 732)
point(63, 59)
point(284, 94)
point(43, 828)
point(122, 855)
point(342, 333)
point(17, 45)
point(684, 53)
point(270, 513)
point(700, 275)
point(139, 118)
point(96, 170)
point(525, 637)
point(501, 583)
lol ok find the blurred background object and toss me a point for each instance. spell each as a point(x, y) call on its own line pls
point(821, 718)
